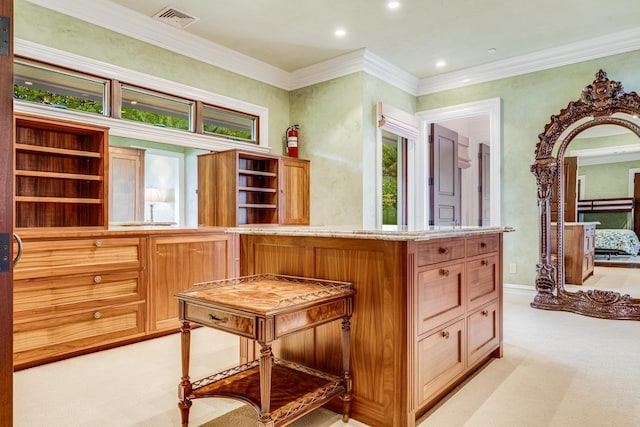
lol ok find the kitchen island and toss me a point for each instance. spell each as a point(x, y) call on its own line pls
point(427, 309)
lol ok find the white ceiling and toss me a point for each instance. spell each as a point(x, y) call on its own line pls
point(292, 34)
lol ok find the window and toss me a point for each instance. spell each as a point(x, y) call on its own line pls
point(58, 88)
point(154, 108)
point(231, 124)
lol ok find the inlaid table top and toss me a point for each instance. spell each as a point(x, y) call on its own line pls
point(264, 294)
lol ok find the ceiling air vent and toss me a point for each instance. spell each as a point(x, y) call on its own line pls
point(175, 17)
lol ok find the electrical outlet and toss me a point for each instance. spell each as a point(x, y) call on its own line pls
point(513, 268)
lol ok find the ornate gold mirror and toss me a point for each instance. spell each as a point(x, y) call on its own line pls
point(604, 102)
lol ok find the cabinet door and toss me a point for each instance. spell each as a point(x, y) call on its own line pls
point(441, 358)
point(177, 262)
point(126, 184)
point(441, 295)
point(483, 330)
point(483, 283)
point(294, 192)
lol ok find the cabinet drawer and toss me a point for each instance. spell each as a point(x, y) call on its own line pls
point(220, 319)
point(56, 336)
point(441, 358)
point(81, 292)
point(441, 296)
point(483, 245)
point(62, 257)
point(441, 251)
point(484, 331)
point(482, 277)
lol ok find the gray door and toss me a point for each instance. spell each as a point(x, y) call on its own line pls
point(444, 179)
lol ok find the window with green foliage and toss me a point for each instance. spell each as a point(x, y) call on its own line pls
point(231, 124)
point(154, 108)
point(389, 183)
point(58, 88)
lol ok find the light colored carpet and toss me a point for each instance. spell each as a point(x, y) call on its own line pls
point(559, 370)
point(246, 417)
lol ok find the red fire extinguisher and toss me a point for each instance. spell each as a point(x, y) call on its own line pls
point(292, 140)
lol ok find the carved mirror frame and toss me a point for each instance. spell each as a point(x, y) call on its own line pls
point(602, 102)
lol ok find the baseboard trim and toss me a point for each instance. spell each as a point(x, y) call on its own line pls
point(519, 289)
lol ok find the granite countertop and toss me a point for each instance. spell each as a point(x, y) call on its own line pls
point(433, 232)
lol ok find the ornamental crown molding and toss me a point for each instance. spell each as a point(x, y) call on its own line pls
point(117, 18)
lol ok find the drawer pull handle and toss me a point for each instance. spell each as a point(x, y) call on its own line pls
point(444, 272)
point(445, 335)
point(443, 251)
point(215, 318)
point(98, 243)
point(485, 262)
point(483, 245)
point(485, 313)
point(97, 315)
point(97, 279)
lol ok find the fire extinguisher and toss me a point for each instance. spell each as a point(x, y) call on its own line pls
point(292, 140)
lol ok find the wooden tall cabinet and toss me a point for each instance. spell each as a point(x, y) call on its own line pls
point(61, 173)
point(238, 188)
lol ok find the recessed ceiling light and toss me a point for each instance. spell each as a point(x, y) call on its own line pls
point(393, 4)
point(466, 80)
point(440, 64)
point(340, 32)
point(492, 50)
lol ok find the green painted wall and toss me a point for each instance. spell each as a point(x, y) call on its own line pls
point(528, 101)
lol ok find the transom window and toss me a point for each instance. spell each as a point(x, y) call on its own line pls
point(59, 88)
point(159, 110)
point(231, 124)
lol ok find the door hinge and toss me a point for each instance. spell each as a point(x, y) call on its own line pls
point(5, 256)
point(430, 180)
point(5, 35)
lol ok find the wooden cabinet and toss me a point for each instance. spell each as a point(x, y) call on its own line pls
point(294, 191)
point(458, 312)
point(426, 313)
point(241, 188)
point(79, 291)
point(60, 173)
point(579, 250)
point(75, 294)
point(177, 262)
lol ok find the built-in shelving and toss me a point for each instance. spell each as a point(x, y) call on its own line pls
point(60, 173)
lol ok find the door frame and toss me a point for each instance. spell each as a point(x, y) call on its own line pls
point(491, 107)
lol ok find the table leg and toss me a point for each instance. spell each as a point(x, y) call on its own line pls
point(184, 389)
point(346, 374)
point(266, 362)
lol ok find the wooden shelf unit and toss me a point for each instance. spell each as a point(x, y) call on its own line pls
point(60, 173)
point(237, 188)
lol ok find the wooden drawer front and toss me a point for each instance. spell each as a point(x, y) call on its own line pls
point(444, 250)
point(482, 277)
point(63, 257)
point(440, 296)
point(483, 328)
point(441, 358)
point(483, 245)
point(220, 319)
point(57, 335)
point(305, 319)
point(39, 296)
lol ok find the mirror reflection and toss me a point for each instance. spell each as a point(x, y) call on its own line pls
point(600, 165)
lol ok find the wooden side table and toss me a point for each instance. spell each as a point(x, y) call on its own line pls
point(264, 308)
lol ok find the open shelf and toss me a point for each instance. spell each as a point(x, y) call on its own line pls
point(60, 173)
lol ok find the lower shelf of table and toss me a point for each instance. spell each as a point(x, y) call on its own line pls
point(295, 389)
